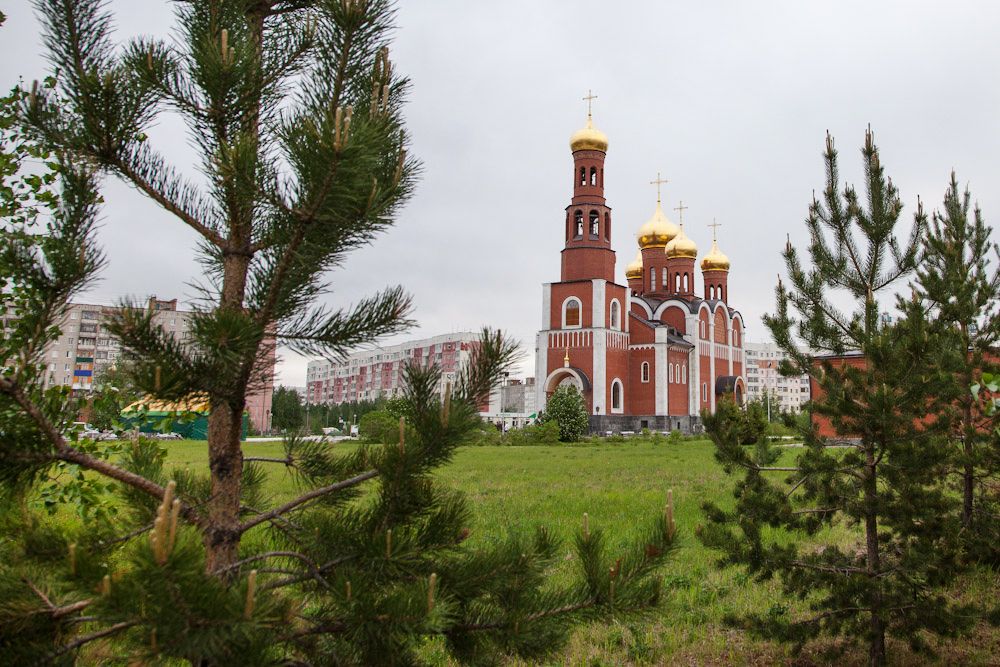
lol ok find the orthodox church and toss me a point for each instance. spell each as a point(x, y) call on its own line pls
point(650, 353)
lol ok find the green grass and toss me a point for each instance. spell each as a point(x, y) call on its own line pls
point(621, 487)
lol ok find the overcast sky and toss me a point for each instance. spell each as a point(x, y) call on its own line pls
point(728, 100)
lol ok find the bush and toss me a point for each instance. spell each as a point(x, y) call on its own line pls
point(379, 426)
point(566, 407)
point(543, 433)
point(676, 437)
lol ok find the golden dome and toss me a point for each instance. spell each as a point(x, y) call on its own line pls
point(589, 138)
point(634, 268)
point(657, 231)
point(715, 260)
point(681, 246)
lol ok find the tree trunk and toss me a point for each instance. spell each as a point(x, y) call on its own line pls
point(876, 651)
point(968, 484)
point(225, 456)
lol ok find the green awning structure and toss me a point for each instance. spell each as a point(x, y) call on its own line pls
point(187, 417)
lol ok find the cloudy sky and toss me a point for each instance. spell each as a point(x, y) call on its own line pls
point(728, 100)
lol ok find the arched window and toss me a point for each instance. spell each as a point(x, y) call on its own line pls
point(583, 175)
point(595, 219)
point(666, 280)
point(685, 283)
point(652, 279)
point(616, 395)
point(615, 315)
point(571, 313)
point(701, 328)
point(711, 292)
point(593, 175)
point(644, 371)
point(677, 282)
point(684, 373)
point(607, 226)
point(578, 224)
point(671, 374)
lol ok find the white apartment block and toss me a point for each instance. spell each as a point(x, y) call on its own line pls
point(85, 349)
point(788, 394)
point(378, 372)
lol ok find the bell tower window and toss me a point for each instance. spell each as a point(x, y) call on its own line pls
point(593, 175)
point(583, 175)
point(571, 313)
point(578, 224)
point(594, 224)
point(607, 226)
point(652, 279)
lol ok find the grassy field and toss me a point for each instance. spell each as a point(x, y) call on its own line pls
point(621, 486)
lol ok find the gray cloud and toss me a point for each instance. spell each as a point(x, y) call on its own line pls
point(729, 100)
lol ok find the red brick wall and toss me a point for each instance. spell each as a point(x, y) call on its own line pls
point(674, 316)
point(582, 290)
point(720, 327)
point(585, 263)
point(643, 394)
point(677, 391)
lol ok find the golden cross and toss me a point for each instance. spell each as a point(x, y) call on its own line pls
point(680, 211)
point(589, 99)
point(658, 182)
point(715, 225)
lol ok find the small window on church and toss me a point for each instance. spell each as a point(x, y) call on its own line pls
point(644, 372)
point(684, 373)
point(607, 226)
point(652, 279)
point(685, 283)
point(615, 315)
point(583, 175)
point(677, 282)
point(593, 175)
point(671, 372)
point(666, 280)
point(578, 224)
point(616, 395)
point(704, 391)
point(571, 313)
point(595, 224)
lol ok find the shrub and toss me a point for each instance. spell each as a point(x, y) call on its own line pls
point(566, 407)
point(379, 426)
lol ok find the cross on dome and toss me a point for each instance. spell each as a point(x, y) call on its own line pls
point(715, 225)
point(658, 182)
point(589, 99)
point(680, 212)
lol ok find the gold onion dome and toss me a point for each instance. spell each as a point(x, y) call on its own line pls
point(715, 260)
point(657, 231)
point(681, 246)
point(634, 268)
point(589, 138)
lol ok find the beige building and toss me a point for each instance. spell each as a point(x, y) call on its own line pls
point(85, 349)
point(786, 394)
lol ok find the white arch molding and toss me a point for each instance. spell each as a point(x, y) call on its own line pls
point(579, 304)
point(564, 376)
point(620, 407)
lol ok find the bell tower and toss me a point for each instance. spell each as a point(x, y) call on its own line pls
point(587, 253)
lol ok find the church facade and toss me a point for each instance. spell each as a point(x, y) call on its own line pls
point(653, 352)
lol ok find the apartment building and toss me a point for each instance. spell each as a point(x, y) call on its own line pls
point(85, 349)
point(378, 372)
point(785, 394)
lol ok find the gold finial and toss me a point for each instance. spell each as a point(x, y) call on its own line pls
point(658, 182)
point(566, 359)
point(680, 212)
point(715, 225)
point(589, 100)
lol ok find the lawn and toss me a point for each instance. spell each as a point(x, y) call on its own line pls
point(621, 486)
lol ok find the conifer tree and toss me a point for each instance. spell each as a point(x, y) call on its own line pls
point(370, 559)
point(876, 377)
point(961, 290)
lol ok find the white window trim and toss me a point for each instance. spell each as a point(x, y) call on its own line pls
point(621, 397)
point(565, 303)
point(644, 372)
point(615, 307)
point(670, 375)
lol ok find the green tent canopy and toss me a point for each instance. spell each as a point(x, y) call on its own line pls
point(188, 417)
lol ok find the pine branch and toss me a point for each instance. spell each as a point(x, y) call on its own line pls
point(305, 498)
point(80, 641)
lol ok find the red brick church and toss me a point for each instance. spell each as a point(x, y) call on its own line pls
point(649, 354)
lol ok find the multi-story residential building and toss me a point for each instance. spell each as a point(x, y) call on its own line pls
point(784, 394)
point(85, 348)
point(512, 404)
point(378, 372)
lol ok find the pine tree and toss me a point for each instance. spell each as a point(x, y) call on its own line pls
point(370, 559)
point(884, 480)
point(961, 290)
